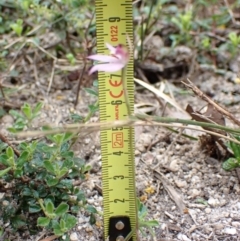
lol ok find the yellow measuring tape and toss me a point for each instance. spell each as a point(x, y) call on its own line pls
point(114, 22)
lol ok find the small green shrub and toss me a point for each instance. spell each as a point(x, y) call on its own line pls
point(142, 222)
point(233, 162)
point(38, 178)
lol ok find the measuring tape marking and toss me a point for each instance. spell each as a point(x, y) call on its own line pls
point(116, 143)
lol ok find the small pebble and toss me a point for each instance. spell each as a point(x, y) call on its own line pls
point(183, 237)
point(213, 202)
point(180, 183)
point(174, 166)
point(208, 229)
point(218, 226)
point(164, 226)
point(208, 210)
point(194, 193)
point(140, 147)
point(226, 191)
point(230, 230)
point(236, 224)
point(161, 150)
point(90, 201)
point(178, 147)
point(81, 220)
point(74, 237)
point(5, 203)
point(89, 228)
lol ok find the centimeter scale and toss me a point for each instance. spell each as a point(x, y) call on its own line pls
point(114, 23)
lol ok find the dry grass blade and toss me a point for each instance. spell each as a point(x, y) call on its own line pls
point(219, 108)
point(84, 129)
point(161, 95)
point(174, 195)
point(50, 238)
point(52, 76)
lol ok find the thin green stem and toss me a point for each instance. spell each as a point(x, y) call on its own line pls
point(142, 39)
point(148, 18)
point(183, 121)
point(40, 201)
point(90, 113)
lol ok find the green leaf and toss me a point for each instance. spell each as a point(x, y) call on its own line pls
point(43, 221)
point(26, 192)
point(58, 231)
point(10, 152)
point(61, 209)
point(16, 114)
point(150, 223)
point(78, 3)
point(49, 149)
point(56, 228)
point(68, 162)
point(91, 209)
point(66, 184)
point(235, 148)
point(18, 173)
point(42, 191)
point(68, 136)
point(18, 221)
point(202, 201)
point(49, 166)
point(93, 108)
point(37, 108)
point(142, 209)
point(18, 126)
point(63, 225)
point(76, 118)
point(4, 160)
point(92, 219)
point(91, 91)
point(5, 171)
point(35, 194)
point(22, 159)
point(3, 146)
point(86, 168)
point(17, 27)
point(62, 172)
point(75, 209)
point(58, 138)
point(52, 181)
point(80, 195)
point(27, 110)
point(230, 164)
point(49, 207)
point(11, 162)
point(70, 220)
point(34, 208)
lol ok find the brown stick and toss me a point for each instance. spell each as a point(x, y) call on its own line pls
point(219, 108)
point(5, 140)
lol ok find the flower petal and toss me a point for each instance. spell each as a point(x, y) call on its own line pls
point(112, 67)
point(102, 58)
point(111, 48)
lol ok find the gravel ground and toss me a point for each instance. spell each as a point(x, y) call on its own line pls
point(185, 189)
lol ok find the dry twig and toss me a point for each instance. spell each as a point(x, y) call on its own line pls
point(219, 108)
point(5, 140)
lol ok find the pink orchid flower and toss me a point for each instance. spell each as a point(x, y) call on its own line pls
point(117, 59)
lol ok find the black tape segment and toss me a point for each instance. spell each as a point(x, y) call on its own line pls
point(119, 228)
